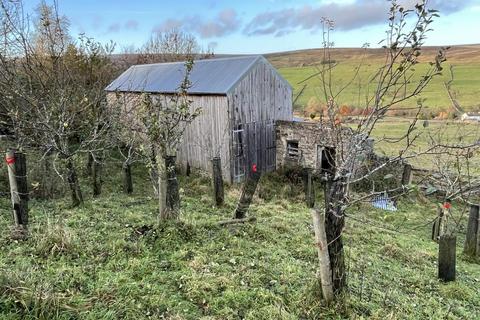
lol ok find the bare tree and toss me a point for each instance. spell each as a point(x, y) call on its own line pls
point(165, 119)
point(454, 177)
point(169, 46)
point(53, 87)
point(394, 82)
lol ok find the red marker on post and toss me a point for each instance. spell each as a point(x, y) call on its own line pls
point(10, 160)
point(254, 168)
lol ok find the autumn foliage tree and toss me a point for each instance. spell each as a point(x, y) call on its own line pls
point(53, 88)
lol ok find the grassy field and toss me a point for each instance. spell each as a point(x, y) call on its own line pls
point(448, 132)
point(299, 65)
point(109, 260)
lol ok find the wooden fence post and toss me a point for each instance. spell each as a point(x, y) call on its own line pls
point(17, 176)
point(309, 188)
point(323, 256)
point(127, 178)
point(188, 171)
point(447, 257)
point(248, 191)
point(407, 175)
point(217, 181)
point(470, 247)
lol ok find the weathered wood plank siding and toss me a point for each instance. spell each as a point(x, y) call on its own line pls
point(257, 101)
point(249, 109)
point(207, 136)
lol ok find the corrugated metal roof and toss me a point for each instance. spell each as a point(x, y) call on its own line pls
point(211, 76)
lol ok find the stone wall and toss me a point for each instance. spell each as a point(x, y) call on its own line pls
point(311, 138)
point(308, 137)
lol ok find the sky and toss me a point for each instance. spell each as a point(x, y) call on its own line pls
point(259, 26)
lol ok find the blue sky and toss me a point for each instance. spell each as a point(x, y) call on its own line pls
point(259, 26)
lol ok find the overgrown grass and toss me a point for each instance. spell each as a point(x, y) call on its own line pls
point(110, 260)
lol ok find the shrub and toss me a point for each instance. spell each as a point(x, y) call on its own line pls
point(314, 106)
point(345, 110)
point(442, 115)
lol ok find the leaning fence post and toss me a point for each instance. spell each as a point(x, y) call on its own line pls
point(247, 193)
point(447, 257)
point(325, 271)
point(17, 176)
point(217, 181)
point(470, 247)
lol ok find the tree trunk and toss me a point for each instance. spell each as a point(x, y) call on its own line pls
point(88, 167)
point(46, 188)
point(172, 195)
point(323, 257)
point(407, 175)
point(17, 176)
point(127, 178)
point(470, 247)
point(77, 198)
point(247, 195)
point(335, 197)
point(155, 172)
point(478, 238)
point(444, 221)
point(447, 257)
point(97, 176)
point(437, 225)
point(217, 181)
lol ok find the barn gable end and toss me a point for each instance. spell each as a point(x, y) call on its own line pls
point(241, 98)
point(256, 102)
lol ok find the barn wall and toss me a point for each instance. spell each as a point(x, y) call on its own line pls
point(261, 95)
point(258, 100)
point(207, 136)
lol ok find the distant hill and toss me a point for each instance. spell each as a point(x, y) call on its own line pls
point(309, 57)
point(297, 66)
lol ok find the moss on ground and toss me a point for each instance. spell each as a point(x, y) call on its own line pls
point(110, 260)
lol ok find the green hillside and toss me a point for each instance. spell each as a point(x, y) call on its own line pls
point(299, 65)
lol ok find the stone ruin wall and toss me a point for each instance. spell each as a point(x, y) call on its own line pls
point(311, 136)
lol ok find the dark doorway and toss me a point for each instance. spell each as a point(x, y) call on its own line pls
point(326, 160)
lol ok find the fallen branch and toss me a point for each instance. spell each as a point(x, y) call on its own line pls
point(234, 221)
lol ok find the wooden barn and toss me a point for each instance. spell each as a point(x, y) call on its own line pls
point(241, 99)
